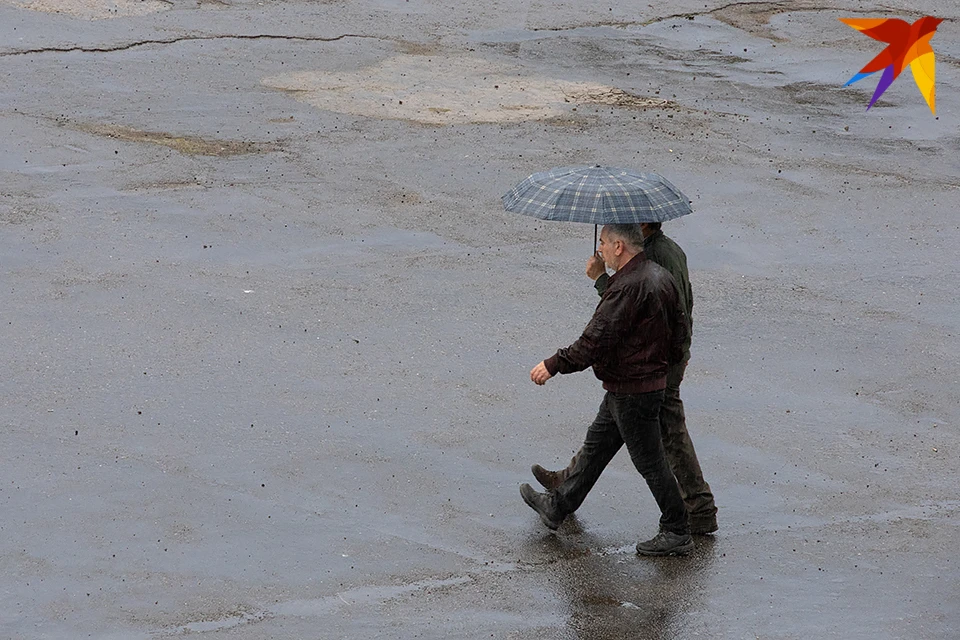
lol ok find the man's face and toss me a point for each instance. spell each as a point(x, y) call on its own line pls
point(610, 249)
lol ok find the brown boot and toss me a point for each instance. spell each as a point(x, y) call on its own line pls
point(548, 479)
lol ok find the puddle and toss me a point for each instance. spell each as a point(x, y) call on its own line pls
point(93, 9)
point(189, 145)
point(600, 600)
point(610, 551)
point(452, 89)
point(316, 608)
point(362, 596)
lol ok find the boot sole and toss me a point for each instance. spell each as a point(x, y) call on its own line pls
point(550, 524)
point(682, 550)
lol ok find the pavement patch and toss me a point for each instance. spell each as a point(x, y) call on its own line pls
point(189, 145)
point(754, 18)
point(442, 90)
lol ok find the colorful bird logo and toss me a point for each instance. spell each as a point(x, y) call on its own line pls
point(907, 44)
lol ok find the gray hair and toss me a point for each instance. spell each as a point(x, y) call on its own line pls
point(631, 234)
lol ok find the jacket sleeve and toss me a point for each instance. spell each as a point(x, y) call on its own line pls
point(597, 339)
point(677, 266)
point(600, 284)
point(680, 332)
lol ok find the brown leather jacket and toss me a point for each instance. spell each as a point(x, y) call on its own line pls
point(638, 329)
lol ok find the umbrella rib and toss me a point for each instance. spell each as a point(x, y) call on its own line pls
point(624, 192)
point(548, 206)
point(573, 181)
point(568, 181)
point(579, 190)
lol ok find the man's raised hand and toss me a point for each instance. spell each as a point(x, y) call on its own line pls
point(595, 267)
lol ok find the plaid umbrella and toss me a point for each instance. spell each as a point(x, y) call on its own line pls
point(597, 195)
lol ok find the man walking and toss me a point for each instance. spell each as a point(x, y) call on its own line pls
point(677, 444)
point(637, 331)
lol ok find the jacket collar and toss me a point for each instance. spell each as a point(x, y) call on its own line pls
point(631, 265)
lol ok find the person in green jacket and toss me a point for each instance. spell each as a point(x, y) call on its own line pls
point(673, 427)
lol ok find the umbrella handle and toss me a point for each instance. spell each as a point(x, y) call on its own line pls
point(594, 239)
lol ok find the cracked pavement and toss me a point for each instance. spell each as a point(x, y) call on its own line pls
point(143, 43)
point(267, 331)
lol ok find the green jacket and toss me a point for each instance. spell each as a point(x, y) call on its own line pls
point(668, 254)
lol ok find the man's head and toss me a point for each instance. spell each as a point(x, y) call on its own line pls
point(619, 243)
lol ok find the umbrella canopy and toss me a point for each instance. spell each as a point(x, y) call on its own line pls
point(597, 195)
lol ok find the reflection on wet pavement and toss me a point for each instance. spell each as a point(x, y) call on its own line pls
point(610, 592)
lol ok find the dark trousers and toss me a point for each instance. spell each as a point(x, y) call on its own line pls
point(631, 419)
point(679, 451)
point(681, 455)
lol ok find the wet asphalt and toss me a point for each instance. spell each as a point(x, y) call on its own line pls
point(266, 334)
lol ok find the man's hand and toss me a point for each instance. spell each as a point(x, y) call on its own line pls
point(595, 267)
point(539, 374)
